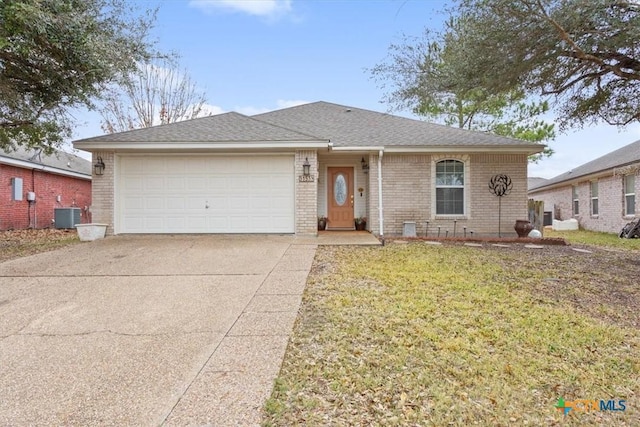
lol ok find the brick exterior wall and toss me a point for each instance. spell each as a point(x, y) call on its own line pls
point(409, 193)
point(20, 214)
point(102, 192)
point(611, 207)
point(306, 194)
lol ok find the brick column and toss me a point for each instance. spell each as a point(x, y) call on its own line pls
point(306, 194)
point(102, 192)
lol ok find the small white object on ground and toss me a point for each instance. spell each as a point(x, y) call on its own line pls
point(535, 234)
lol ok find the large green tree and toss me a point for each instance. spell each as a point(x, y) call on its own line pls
point(585, 55)
point(419, 74)
point(57, 55)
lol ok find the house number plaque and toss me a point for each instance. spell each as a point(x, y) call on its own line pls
point(305, 178)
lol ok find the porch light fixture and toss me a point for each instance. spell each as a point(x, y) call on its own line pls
point(365, 165)
point(306, 167)
point(98, 168)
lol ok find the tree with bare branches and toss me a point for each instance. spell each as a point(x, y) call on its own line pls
point(157, 93)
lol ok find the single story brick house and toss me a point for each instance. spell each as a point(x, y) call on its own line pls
point(277, 172)
point(35, 184)
point(600, 194)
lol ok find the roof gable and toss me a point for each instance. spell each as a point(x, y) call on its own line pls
point(621, 157)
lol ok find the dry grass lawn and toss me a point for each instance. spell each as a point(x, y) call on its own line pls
point(422, 335)
point(20, 243)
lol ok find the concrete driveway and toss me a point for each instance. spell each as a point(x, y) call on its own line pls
point(148, 330)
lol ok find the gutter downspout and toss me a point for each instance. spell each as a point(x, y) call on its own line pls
point(380, 213)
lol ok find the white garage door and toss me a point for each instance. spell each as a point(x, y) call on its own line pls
point(205, 194)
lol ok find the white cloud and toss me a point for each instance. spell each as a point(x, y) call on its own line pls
point(211, 110)
point(264, 8)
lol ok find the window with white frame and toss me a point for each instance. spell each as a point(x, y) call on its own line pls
point(594, 198)
point(630, 195)
point(450, 187)
point(576, 202)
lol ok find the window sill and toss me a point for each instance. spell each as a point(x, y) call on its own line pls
point(452, 217)
point(595, 216)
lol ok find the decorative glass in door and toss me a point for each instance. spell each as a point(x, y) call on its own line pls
point(340, 190)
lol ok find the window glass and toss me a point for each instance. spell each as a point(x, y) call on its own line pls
point(629, 184)
point(450, 187)
point(629, 195)
point(594, 198)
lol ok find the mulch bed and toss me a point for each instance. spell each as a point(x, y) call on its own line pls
point(557, 241)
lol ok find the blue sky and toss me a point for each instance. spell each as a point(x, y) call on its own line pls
point(253, 56)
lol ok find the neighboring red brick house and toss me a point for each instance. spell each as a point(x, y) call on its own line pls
point(601, 194)
point(60, 180)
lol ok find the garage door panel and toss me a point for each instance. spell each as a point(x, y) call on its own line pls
point(258, 203)
point(151, 165)
point(196, 223)
point(154, 183)
point(176, 203)
point(176, 166)
point(176, 222)
point(154, 203)
point(175, 183)
point(132, 203)
point(206, 194)
point(153, 224)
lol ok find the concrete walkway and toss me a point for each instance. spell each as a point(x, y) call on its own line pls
point(148, 330)
point(353, 238)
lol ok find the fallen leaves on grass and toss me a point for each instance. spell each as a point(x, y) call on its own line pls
point(421, 335)
point(19, 243)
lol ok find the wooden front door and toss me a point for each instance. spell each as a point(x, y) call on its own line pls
point(340, 197)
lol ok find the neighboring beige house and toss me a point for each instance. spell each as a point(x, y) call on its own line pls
point(277, 172)
point(600, 194)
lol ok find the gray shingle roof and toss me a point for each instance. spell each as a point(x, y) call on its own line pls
point(59, 160)
point(319, 121)
point(227, 127)
point(535, 181)
point(348, 126)
point(623, 156)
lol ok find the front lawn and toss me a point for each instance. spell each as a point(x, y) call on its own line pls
point(417, 334)
point(595, 238)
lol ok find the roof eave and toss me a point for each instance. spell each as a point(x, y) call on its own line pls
point(574, 180)
point(38, 166)
point(214, 146)
point(507, 149)
point(610, 171)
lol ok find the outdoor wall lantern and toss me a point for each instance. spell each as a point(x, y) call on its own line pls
point(306, 167)
point(98, 168)
point(365, 166)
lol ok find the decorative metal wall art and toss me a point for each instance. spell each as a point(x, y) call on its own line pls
point(500, 185)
